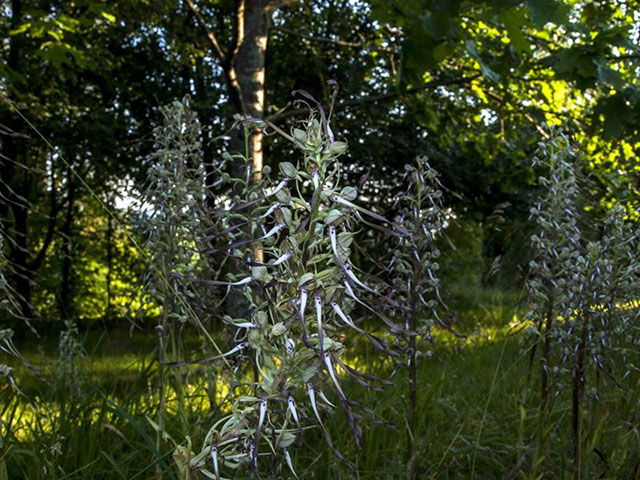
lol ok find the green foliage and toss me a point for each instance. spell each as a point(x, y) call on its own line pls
point(504, 60)
point(468, 83)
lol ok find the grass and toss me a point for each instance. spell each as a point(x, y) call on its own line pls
point(479, 413)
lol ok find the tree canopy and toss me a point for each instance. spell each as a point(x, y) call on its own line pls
point(474, 85)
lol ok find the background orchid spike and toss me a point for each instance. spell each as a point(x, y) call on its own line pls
point(8, 298)
point(583, 290)
point(301, 277)
point(422, 219)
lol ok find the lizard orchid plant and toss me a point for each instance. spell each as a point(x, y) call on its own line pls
point(583, 288)
point(302, 289)
point(413, 271)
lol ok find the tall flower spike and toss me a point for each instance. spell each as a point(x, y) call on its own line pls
point(279, 293)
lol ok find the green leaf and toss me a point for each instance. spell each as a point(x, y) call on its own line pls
point(21, 29)
point(288, 170)
point(278, 329)
point(309, 372)
point(284, 196)
point(514, 20)
point(286, 216)
point(609, 76)
point(286, 439)
point(349, 193)
point(307, 277)
point(332, 216)
point(326, 274)
point(487, 72)
point(345, 239)
point(260, 273)
point(548, 11)
point(319, 258)
point(109, 17)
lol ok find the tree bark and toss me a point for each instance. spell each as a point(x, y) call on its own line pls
point(244, 69)
point(14, 184)
point(107, 314)
point(66, 307)
point(19, 259)
point(253, 23)
point(244, 66)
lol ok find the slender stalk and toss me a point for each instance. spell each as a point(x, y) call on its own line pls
point(3, 467)
point(161, 393)
point(413, 398)
point(576, 393)
point(546, 356)
point(413, 360)
point(107, 315)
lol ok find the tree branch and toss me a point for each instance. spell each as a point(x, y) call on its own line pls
point(277, 4)
point(226, 60)
point(210, 35)
point(369, 99)
point(340, 43)
point(51, 228)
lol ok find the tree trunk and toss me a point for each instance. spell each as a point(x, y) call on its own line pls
point(253, 23)
point(13, 152)
point(19, 259)
point(248, 67)
point(66, 308)
point(107, 314)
